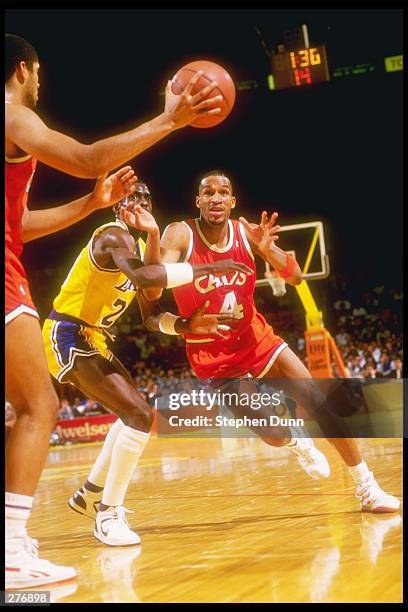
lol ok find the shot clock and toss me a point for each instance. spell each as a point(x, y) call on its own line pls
point(298, 63)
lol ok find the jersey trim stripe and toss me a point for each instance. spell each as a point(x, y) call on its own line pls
point(245, 239)
point(272, 360)
point(190, 244)
point(20, 310)
point(54, 330)
point(191, 341)
point(17, 160)
point(97, 266)
point(116, 223)
point(73, 353)
point(212, 246)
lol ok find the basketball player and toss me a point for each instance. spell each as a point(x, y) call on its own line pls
point(28, 384)
point(99, 287)
point(251, 347)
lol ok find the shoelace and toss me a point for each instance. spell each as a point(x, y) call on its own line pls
point(120, 515)
point(366, 490)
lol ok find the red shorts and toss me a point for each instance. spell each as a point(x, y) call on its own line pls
point(253, 352)
point(18, 297)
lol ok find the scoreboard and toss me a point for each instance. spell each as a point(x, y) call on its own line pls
point(300, 67)
point(298, 62)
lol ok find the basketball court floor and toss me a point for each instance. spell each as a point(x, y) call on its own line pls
point(227, 521)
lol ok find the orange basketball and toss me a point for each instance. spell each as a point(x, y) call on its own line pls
point(211, 72)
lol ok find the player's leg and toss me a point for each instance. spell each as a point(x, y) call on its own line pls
point(260, 358)
point(110, 384)
point(289, 366)
point(30, 391)
point(371, 496)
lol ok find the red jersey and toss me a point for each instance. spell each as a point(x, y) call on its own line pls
point(251, 346)
point(233, 293)
point(19, 174)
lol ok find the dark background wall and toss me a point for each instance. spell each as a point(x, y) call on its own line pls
point(331, 151)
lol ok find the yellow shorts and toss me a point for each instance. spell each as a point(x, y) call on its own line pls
point(64, 341)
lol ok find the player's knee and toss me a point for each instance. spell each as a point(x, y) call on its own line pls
point(138, 415)
point(141, 422)
point(43, 408)
point(50, 410)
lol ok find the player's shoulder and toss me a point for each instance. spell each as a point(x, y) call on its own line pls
point(178, 231)
point(116, 233)
point(178, 226)
point(17, 112)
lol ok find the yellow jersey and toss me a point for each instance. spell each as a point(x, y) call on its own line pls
point(94, 295)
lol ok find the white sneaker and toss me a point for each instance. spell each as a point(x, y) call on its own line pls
point(310, 458)
point(112, 528)
point(374, 499)
point(25, 569)
point(84, 503)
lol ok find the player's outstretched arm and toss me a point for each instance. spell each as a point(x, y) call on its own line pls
point(108, 191)
point(117, 246)
point(262, 238)
point(199, 323)
point(25, 129)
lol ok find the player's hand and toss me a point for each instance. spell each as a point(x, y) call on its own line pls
point(139, 218)
point(111, 189)
point(263, 235)
point(221, 267)
point(184, 108)
point(200, 323)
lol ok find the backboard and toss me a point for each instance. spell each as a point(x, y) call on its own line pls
point(305, 241)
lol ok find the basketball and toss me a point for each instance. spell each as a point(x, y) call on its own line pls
point(211, 72)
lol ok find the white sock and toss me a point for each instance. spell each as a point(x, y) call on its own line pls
point(18, 509)
point(128, 447)
point(360, 472)
point(101, 466)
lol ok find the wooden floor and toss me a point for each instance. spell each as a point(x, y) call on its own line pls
point(227, 521)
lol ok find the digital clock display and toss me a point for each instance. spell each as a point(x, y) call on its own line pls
point(300, 67)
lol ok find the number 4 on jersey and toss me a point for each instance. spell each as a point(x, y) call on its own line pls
point(230, 306)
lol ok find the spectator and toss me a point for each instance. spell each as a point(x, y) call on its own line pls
point(376, 353)
point(384, 366)
point(369, 372)
point(66, 411)
point(342, 307)
point(79, 406)
point(342, 338)
point(396, 369)
point(359, 311)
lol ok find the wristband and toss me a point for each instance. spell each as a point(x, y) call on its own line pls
point(178, 274)
point(167, 322)
point(290, 267)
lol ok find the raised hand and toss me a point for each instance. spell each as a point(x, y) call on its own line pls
point(111, 189)
point(139, 218)
point(184, 108)
point(263, 235)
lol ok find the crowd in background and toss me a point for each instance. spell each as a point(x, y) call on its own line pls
point(366, 325)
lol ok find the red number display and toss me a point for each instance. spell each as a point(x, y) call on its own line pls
point(302, 77)
point(300, 67)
